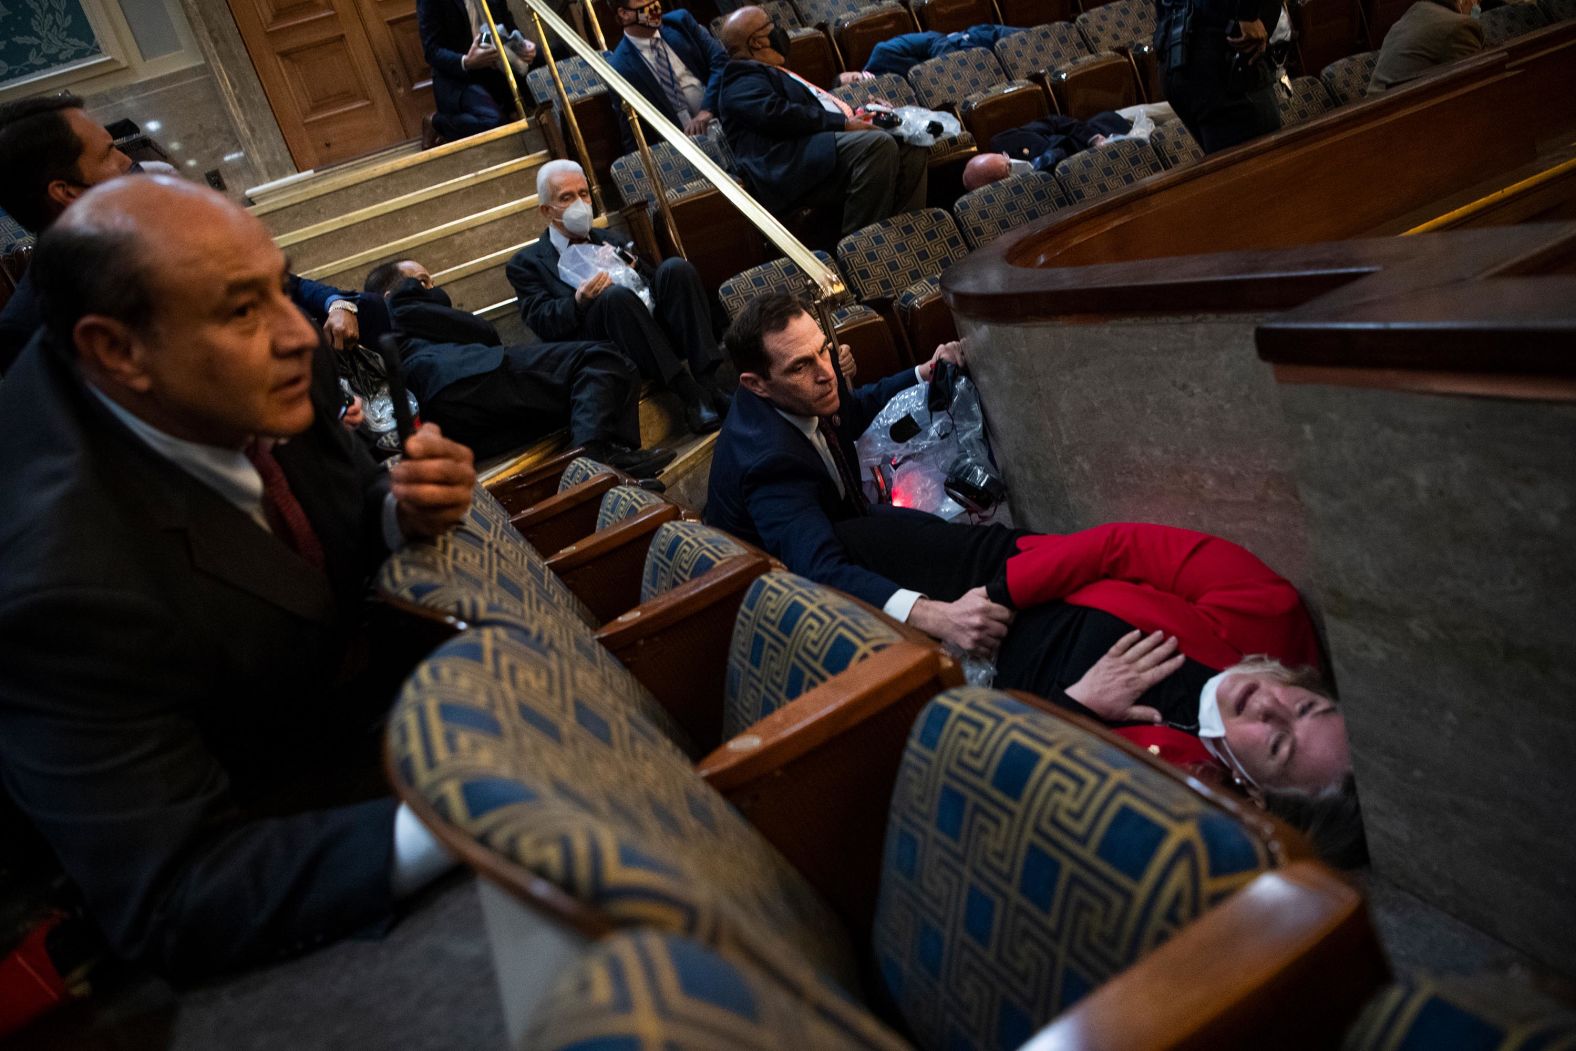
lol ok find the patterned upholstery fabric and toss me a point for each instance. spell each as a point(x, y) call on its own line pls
point(1027, 862)
point(1512, 20)
point(779, 275)
point(1347, 78)
point(886, 257)
point(1176, 146)
point(579, 81)
point(948, 80)
point(783, 13)
point(1307, 99)
point(1558, 10)
point(622, 501)
point(678, 174)
point(918, 294)
point(1040, 48)
point(827, 12)
point(789, 637)
point(489, 517)
point(647, 991)
point(581, 469)
point(1121, 23)
point(885, 87)
point(1423, 1013)
point(1094, 173)
point(682, 551)
point(990, 211)
point(556, 767)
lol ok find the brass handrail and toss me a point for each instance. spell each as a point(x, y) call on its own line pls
point(827, 282)
point(503, 55)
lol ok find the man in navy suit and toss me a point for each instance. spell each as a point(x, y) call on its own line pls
point(798, 144)
point(785, 470)
point(903, 52)
point(672, 61)
point(468, 87)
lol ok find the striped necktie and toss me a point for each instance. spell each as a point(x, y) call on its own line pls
point(662, 65)
point(286, 517)
point(853, 492)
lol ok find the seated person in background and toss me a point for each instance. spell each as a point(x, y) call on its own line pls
point(1041, 145)
point(468, 87)
point(1430, 33)
point(495, 397)
point(798, 144)
point(186, 712)
point(674, 344)
point(784, 468)
point(903, 52)
point(672, 61)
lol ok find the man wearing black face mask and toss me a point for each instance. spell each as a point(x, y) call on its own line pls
point(798, 144)
point(672, 61)
point(494, 397)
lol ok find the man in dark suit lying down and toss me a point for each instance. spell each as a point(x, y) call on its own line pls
point(186, 536)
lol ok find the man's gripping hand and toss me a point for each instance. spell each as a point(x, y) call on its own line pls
point(974, 624)
point(952, 352)
point(592, 287)
point(432, 483)
point(342, 328)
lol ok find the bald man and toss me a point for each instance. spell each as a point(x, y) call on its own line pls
point(798, 144)
point(186, 537)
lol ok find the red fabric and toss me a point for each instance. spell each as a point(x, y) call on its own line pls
point(283, 511)
point(1219, 600)
point(29, 984)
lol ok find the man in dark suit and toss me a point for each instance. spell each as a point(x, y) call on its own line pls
point(1431, 33)
point(672, 61)
point(672, 343)
point(901, 53)
point(798, 144)
point(468, 87)
point(495, 397)
point(784, 470)
point(186, 534)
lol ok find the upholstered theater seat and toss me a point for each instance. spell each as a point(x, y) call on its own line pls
point(1347, 78)
point(1175, 145)
point(1029, 55)
point(1117, 26)
point(942, 83)
point(1509, 21)
point(990, 211)
point(1105, 169)
point(683, 551)
point(899, 255)
point(889, 88)
point(1304, 99)
point(1421, 1012)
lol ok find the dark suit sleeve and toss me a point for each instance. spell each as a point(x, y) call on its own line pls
point(781, 494)
point(550, 315)
point(754, 102)
point(439, 56)
point(313, 297)
point(711, 54)
point(140, 812)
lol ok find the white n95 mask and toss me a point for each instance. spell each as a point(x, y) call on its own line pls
point(577, 219)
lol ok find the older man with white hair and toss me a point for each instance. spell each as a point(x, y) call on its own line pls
point(672, 343)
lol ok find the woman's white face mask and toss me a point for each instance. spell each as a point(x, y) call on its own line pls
point(1212, 729)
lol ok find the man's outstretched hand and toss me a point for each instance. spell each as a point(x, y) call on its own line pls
point(1112, 687)
point(432, 483)
point(952, 352)
point(974, 624)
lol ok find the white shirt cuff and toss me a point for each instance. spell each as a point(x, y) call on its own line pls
point(418, 856)
point(919, 377)
point(901, 604)
point(393, 535)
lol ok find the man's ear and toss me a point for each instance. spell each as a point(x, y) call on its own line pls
point(62, 193)
point(110, 349)
point(754, 383)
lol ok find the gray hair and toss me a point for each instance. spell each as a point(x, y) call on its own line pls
point(1261, 664)
point(550, 171)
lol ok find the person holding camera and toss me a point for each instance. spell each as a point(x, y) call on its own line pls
point(798, 144)
point(468, 85)
point(1215, 70)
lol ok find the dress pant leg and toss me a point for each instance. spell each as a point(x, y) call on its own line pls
point(617, 316)
point(913, 178)
point(478, 111)
point(684, 313)
point(593, 380)
point(919, 551)
point(866, 172)
point(1216, 116)
point(491, 413)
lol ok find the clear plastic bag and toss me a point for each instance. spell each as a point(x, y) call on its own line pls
point(579, 263)
point(922, 127)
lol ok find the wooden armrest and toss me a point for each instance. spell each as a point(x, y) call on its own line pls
point(677, 643)
point(534, 484)
point(604, 569)
point(563, 518)
point(816, 776)
point(1286, 962)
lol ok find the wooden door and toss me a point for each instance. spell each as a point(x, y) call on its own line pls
point(396, 41)
point(322, 78)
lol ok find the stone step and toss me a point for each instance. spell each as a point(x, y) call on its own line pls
point(441, 248)
point(511, 181)
point(320, 196)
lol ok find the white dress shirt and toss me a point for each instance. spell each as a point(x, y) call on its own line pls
point(655, 51)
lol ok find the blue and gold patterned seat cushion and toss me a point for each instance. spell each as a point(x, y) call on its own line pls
point(1039, 48)
point(1175, 145)
point(1511, 20)
point(1119, 24)
point(919, 294)
point(1027, 861)
point(990, 211)
point(581, 469)
point(558, 765)
point(1094, 173)
point(579, 81)
point(790, 636)
point(1426, 1013)
point(1347, 78)
point(622, 501)
point(1302, 100)
point(948, 80)
point(884, 87)
point(882, 259)
point(682, 551)
point(648, 991)
point(779, 275)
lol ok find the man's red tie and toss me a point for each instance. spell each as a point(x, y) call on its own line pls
point(283, 511)
point(852, 490)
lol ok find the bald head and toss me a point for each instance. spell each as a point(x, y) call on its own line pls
point(985, 169)
point(173, 300)
point(743, 26)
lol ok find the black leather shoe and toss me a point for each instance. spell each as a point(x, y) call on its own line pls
point(720, 400)
point(637, 463)
point(701, 418)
